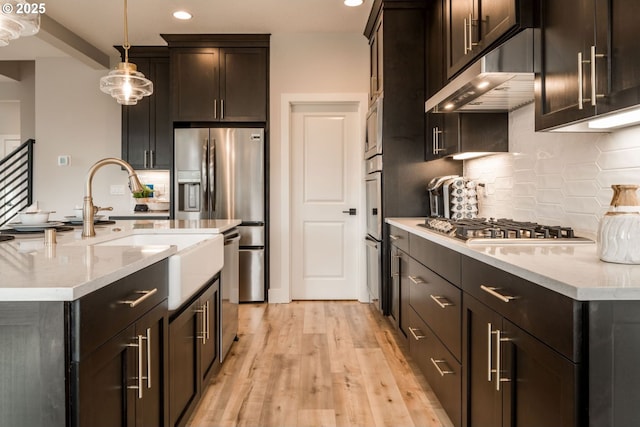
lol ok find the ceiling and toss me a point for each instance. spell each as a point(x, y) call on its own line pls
point(101, 23)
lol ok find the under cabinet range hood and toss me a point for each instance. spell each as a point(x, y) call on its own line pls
point(501, 80)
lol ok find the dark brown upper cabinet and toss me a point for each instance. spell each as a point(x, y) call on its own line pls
point(473, 26)
point(147, 131)
point(586, 61)
point(219, 78)
point(451, 133)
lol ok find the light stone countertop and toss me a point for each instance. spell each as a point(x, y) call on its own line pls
point(573, 270)
point(73, 267)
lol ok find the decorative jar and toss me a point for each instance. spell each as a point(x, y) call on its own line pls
point(619, 229)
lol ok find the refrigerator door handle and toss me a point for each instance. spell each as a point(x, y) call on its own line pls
point(212, 173)
point(205, 176)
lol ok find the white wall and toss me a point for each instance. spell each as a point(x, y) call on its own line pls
point(308, 63)
point(556, 178)
point(73, 117)
point(22, 91)
point(10, 117)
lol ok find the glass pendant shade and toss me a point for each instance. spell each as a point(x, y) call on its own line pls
point(126, 84)
point(14, 24)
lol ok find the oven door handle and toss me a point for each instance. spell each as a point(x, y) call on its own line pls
point(370, 242)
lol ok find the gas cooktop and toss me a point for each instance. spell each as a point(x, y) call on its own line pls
point(502, 231)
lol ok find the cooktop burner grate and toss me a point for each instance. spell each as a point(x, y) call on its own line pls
point(502, 230)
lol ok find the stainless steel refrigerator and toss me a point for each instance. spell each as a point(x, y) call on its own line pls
point(220, 174)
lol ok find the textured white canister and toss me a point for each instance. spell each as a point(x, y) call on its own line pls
point(619, 229)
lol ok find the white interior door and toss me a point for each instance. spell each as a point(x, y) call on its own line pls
point(325, 156)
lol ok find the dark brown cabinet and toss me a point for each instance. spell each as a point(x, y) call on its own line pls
point(118, 360)
point(226, 84)
point(147, 130)
point(513, 379)
point(450, 133)
point(193, 352)
point(585, 63)
point(473, 26)
point(376, 63)
point(435, 48)
point(399, 246)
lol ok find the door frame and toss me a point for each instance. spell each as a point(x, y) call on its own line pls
point(288, 100)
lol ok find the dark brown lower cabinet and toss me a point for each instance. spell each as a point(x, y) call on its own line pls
point(122, 383)
point(511, 378)
point(193, 351)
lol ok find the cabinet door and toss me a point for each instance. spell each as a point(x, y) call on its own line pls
point(566, 31)
point(106, 379)
point(404, 293)
point(184, 331)
point(540, 387)
point(195, 84)
point(208, 337)
point(617, 38)
point(494, 19)
point(152, 328)
point(136, 121)
point(161, 143)
point(459, 40)
point(243, 84)
point(483, 403)
point(435, 45)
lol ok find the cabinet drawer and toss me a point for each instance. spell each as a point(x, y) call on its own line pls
point(551, 317)
point(438, 303)
point(399, 238)
point(103, 312)
point(439, 367)
point(442, 260)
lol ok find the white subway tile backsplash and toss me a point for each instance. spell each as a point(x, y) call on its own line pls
point(556, 178)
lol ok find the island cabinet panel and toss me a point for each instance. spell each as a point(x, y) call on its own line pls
point(194, 352)
point(118, 361)
point(33, 339)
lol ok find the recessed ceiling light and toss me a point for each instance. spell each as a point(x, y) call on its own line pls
point(352, 3)
point(182, 14)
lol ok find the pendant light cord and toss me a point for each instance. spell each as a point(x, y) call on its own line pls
point(126, 45)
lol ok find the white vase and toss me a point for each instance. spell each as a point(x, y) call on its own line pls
point(619, 229)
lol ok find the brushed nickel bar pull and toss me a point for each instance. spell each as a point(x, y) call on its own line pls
point(437, 132)
point(392, 237)
point(145, 295)
point(594, 92)
point(146, 161)
point(416, 280)
point(438, 298)
point(580, 100)
point(215, 108)
point(152, 160)
point(440, 371)
point(466, 49)
point(138, 387)
point(499, 340)
point(221, 109)
point(433, 140)
point(493, 291)
point(489, 336)
point(203, 323)
point(148, 338)
point(206, 311)
point(418, 336)
point(471, 43)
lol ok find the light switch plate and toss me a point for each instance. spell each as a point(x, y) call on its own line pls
point(64, 160)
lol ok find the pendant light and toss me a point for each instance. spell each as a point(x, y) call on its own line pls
point(125, 83)
point(18, 19)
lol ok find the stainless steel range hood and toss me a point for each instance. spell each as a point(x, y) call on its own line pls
point(502, 80)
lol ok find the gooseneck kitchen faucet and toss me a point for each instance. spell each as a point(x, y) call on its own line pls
point(88, 209)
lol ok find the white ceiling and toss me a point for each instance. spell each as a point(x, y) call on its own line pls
point(101, 23)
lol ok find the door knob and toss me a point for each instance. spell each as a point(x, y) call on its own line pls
point(351, 211)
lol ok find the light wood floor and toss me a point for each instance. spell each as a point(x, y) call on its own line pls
point(316, 363)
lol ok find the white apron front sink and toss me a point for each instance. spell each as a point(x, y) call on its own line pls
point(198, 258)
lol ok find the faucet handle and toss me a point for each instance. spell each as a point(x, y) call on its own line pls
point(96, 209)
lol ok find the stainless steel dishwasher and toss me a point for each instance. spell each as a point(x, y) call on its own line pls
point(230, 292)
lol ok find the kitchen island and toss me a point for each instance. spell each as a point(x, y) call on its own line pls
point(84, 323)
point(522, 334)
